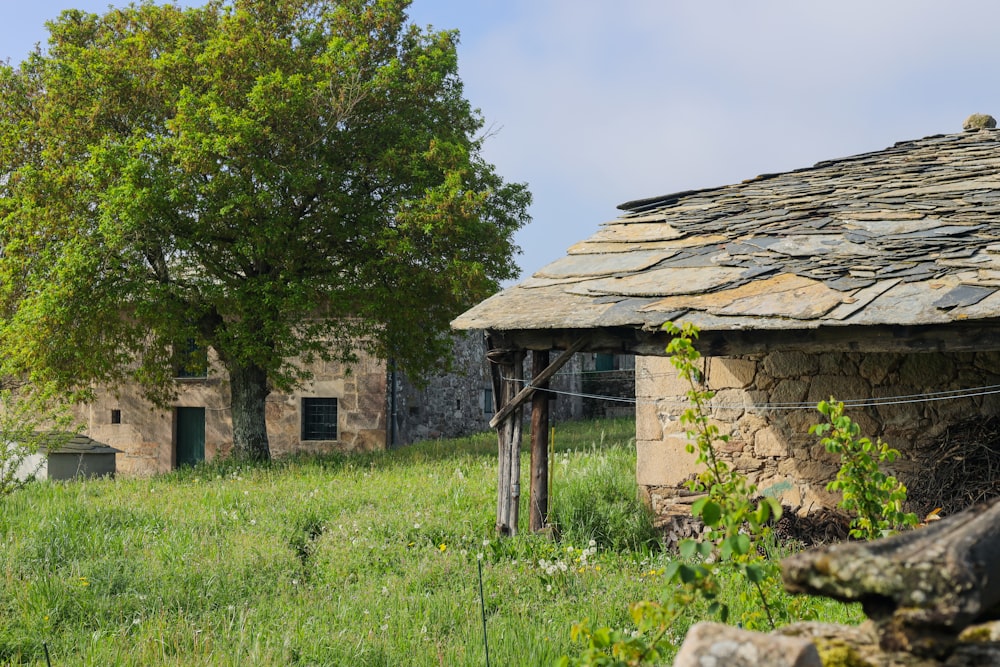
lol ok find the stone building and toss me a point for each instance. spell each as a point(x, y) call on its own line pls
point(874, 279)
point(368, 407)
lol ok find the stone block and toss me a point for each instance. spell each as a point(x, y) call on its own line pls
point(877, 366)
point(730, 372)
point(718, 645)
point(656, 377)
point(928, 369)
point(729, 405)
point(841, 387)
point(790, 364)
point(769, 442)
point(664, 462)
point(647, 422)
point(789, 391)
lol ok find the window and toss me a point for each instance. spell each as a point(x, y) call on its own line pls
point(116, 416)
point(190, 360)
point(319, 419)
point(488, 401)
point(604, 362)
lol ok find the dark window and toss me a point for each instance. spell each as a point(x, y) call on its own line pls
point(488, 401)
point(116, 416)
point(604, 362)
point(319, 419)
point(190, 360)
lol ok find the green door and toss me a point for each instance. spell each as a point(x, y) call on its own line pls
point(190, 436)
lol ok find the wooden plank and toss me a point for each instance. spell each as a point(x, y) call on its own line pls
point(542, 377)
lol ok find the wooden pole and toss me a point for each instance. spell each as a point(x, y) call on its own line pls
point(508, 374)
point(538, 498)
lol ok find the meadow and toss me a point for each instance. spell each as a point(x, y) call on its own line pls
point(366, 560)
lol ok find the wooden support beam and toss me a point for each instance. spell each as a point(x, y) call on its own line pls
point(508, 372)
point(538, 497)
point(518, 399)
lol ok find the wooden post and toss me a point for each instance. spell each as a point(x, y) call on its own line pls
point(538, 498)
point(508, 375)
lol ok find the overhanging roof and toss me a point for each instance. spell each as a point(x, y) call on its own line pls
point(907, 238)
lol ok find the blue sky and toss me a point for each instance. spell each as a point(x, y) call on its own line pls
point(594, 102)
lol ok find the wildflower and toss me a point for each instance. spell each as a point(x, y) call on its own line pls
point(548, 588)
point(253, 522)
point(295, 582)
point(464, 552)
point(416, 526)
point(84, 582)
point(486, 543)
point(592, 544)
point(385, 626)
point(385, 590)
point(479, 556)
point(443, 547)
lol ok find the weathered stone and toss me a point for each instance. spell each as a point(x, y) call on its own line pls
point(664, 462)
point(729, 405)
point(769, 442)
point(718, 645)
point(841, 387)
point(876, 366)
point(790, 364)
point(786, 392)
point(730, 372)
point(656, 377)
point(748, 425)
point(647, 422)
point(979, 121)
point(926, 370)
point(921, 588)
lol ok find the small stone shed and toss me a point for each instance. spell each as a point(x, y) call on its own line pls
point(69, 456)
point(873, 278)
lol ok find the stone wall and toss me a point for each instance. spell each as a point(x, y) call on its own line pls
point(766, 404)
point(460, 401)
point(146, 433)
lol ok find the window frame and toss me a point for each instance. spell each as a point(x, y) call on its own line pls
point(309, 423)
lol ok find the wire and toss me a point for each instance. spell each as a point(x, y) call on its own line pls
point(903, 399)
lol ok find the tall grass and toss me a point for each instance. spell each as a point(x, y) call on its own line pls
point(365, 560)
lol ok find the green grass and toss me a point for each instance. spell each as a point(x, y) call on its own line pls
point(368, 560)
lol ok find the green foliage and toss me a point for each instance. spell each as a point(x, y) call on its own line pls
point(874, 498)
point(736, 534)
point(278, 180)
point(736, 524)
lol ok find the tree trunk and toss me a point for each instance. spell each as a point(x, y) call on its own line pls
point(248, 385)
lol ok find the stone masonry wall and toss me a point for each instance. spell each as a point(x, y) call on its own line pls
point(146, 434)
point(771, 443)
point(457, 403)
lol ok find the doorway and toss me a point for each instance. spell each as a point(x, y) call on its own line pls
point(190, 436)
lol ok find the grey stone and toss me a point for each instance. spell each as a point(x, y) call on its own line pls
point(790, 364)
point(717, 645)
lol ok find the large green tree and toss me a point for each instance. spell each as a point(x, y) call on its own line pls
point(279, 180)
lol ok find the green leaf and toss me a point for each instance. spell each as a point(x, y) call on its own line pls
point(756, 573)
point(687, 548)
point(711, 514)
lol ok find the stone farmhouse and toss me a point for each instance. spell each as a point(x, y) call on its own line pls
point(367, 407)
point(873, 278)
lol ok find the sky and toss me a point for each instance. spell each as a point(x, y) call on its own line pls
point(593, 103)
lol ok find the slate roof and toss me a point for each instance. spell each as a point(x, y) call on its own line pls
point(909, 235)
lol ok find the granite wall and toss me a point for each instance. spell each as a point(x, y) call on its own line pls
point(766, 405)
